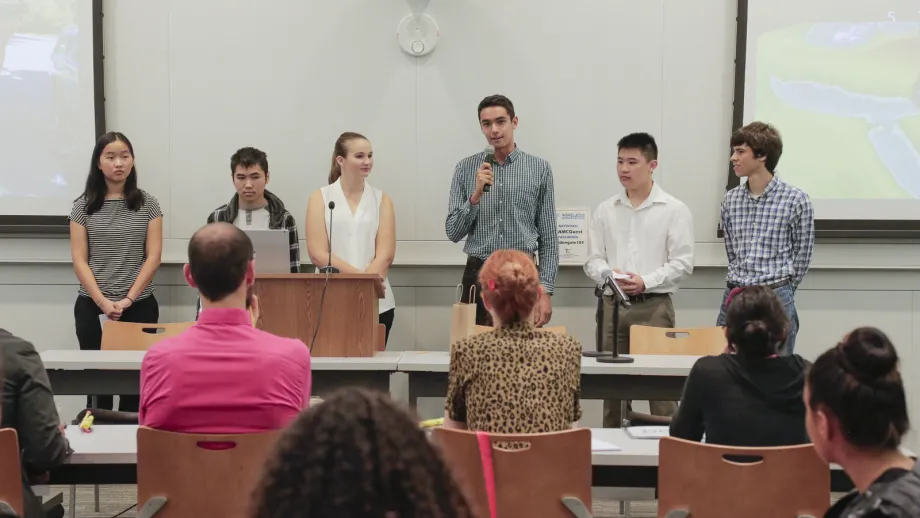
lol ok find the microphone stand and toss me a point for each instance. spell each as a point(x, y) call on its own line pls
point(619, 299)
point(329, 268)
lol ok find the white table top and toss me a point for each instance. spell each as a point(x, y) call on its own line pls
point(131, 360)
point(117, 444)
point(644, 365)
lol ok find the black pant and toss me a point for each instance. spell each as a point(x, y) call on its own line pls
point(471, 278)
point(386, 318)
point(89, 335)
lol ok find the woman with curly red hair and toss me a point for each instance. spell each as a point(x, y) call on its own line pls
point(516, 378)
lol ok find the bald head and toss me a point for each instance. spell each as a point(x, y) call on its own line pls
point(218, 258)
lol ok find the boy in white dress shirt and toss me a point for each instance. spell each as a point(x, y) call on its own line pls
point(647, 234)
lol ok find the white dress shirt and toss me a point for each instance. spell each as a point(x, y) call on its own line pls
point(654, 240)
point(354, 235)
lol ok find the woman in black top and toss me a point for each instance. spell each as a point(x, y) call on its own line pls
point(857, 415)
point(116, 241)
point(747, 396)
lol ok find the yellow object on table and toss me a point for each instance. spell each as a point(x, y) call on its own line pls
point(87, 424)
point(432, 423)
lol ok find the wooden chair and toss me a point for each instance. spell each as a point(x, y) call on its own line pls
point(548, 478)
point(180, 475)
point(11, 474)
point(710, 481)
point(129, 336)
point(692, 341)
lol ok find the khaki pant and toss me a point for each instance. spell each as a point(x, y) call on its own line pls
point(657, 311)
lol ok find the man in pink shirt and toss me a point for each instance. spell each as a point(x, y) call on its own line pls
point(222, 375)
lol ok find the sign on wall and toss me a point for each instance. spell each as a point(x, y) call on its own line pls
point(572, 229)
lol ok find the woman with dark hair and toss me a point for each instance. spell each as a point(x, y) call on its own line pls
point(116, 242)
point(857, 416)
point(517, 378)
point(356, 455)
point(749, 395)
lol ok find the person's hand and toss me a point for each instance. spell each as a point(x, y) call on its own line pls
point(124, 304)
point(111, 311)
point(634, 285)
point(382, 283)
point(484, 176)
point(544, 310)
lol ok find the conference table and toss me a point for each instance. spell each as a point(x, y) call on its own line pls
point(74, 372)
point(648, 377)
point(108, 455)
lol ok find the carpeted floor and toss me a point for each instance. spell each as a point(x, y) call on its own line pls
point(118, 499)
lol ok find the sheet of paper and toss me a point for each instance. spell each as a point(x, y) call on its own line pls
point(598, 445)
point(648, 432)
point(620, 276)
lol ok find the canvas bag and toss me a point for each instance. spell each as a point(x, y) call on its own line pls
point(463, 315)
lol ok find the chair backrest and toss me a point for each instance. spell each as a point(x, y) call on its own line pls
point(785, 481)
point(559, 330)
point(129, 336)
point(530, 481)
point(693, 341)
point(11, 474)
point(198, 474)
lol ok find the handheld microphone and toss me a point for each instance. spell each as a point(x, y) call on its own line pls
point(490, 159)
point(621, 297)
point(329, 268)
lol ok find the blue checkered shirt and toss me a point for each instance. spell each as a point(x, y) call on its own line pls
point(518, 213)
point(769, 238)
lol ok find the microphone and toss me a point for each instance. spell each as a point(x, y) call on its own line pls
point(329, 268)
point(490, 159)
point(621, 297)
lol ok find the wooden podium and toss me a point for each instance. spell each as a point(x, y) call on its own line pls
point(290, 305)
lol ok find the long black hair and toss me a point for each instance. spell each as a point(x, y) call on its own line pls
point(95, 190)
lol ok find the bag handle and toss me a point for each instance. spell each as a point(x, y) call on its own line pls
point(458, 293)
point(472, 298)
point(488, 470)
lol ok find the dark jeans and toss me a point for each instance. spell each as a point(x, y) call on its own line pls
point(386, 318)
point(89, 335)
point(471, 278)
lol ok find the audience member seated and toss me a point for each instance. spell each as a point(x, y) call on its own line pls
point(748, 396)
point(223, 375)
point(357, 455)
point(517, 378)
point(28, 407)
point(857, 416)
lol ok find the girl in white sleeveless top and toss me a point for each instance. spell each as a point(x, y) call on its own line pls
point(364, 224)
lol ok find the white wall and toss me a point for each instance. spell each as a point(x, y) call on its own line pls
point(673, 78)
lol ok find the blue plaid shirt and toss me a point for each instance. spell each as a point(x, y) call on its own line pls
point(518, 213)
point(768, 238)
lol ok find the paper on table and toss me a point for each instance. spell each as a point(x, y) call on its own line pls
point(648, 432)
point(598, 445)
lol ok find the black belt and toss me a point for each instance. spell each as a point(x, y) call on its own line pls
point(642, 297)
point(773, 286)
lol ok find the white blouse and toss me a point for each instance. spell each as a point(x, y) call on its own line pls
point(354, 236)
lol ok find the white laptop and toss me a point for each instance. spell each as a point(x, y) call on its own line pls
point(272, 250)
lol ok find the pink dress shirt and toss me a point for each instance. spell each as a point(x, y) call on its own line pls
point(224, 376)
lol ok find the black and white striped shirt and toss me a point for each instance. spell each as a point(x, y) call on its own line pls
point(117, 243)
point(518, 213)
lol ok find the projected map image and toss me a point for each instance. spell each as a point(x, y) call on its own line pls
point(43, 124)
point(846, 98)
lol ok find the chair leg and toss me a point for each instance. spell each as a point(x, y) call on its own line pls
point(72, 510)
point(627, 511)
point(96, 496)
